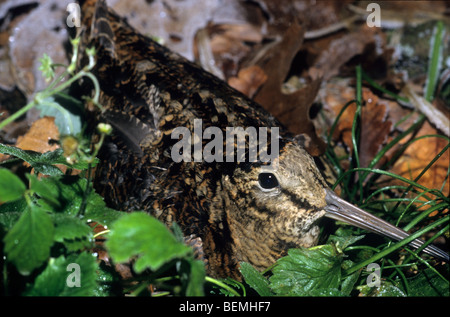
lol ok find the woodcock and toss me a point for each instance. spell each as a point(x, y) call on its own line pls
point(235, 210)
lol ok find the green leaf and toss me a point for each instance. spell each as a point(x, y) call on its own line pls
point(72, 231)
point(307, 272)
point(108, 281)
point(64, 109)
point(43, 190)
point(349, 282)
point(11, 187)
point(255, 279)
point(27, 244)
point(196, 278)
point(42, 163)
point(138, 234)
point(428, 283)
point(386, 289)
point(344, 238)
point(70, 192)
point(61, 277)
point(46, 67)
point(11, 211)
point(68, 227)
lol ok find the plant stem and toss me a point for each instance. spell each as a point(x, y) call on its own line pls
point(223, 285)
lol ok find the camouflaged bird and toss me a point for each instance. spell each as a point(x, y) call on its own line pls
point(235, 211)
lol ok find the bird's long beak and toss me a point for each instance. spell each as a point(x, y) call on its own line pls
point(341, 210)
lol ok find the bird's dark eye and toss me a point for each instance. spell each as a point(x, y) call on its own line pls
point(267, 180)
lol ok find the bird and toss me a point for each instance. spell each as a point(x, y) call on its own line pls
point(232, 208)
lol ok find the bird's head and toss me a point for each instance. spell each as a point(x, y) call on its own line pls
point(275, 206)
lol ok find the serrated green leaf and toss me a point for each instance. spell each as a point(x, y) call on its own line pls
point(11, 187)
point(343, 238)
point(27, 244)
point(43, 190)
point(42, 163)
point(305, 272)
point(71, 276)
point(139, 234)
point(255, 279)
point(68, 227)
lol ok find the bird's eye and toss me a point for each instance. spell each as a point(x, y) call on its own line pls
point(267, 180)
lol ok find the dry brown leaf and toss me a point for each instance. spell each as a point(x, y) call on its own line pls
point(375, 128)
point(291, 109)
point(249, 80)
point(419, 154)
point(230, 45)
point(342, 49)
point(375, 123)
point(38, 136)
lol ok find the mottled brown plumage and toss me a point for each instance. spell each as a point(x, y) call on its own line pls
point(147, 91)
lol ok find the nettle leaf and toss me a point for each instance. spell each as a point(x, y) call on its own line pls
point(139, 234)
point(72, 276)
point(308, 272)
point(27, 244)
point(42, 162)
point(11, 187)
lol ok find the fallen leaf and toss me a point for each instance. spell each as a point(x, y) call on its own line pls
point(419, 154)
point(37, 138)
point(249, 80)
point(375, 121)
point(231, 44)
point(342, 49)
point(291, 109)
point(375, 128)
